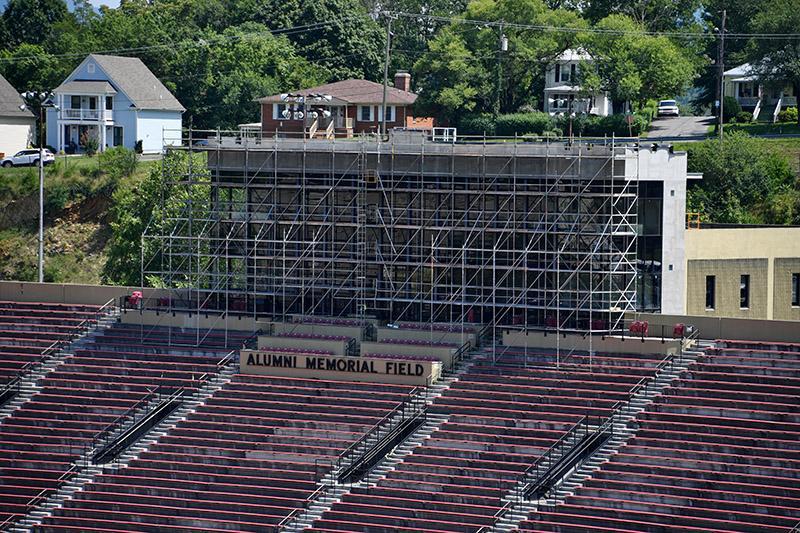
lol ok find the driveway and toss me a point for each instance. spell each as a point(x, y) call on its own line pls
point(679, 127)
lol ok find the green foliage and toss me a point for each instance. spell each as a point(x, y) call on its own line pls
point(636, 66)
point(777, 61)
point(30, 67)
point(89, 143)
point(743, 117)
point(483, 124)
point(788, 115)
point(118, 162)
point(148, 203)
point(655, 15)
point(32, 21)
point(741, 176)
point(459, 72)
point(731, 108)
point(522, 123)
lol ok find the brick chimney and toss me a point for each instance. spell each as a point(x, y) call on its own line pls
point(402, 80)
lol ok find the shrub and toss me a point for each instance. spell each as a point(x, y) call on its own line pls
point(731, 109)
point(788, 115)
point(743, 117)
point(523, 123)
point(89, 143)
point(119, 162)
point(477, 125)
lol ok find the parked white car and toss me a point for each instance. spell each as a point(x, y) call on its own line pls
point(668, 108)
point(28, 157)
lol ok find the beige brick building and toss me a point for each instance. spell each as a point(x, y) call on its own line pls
point(743, 272)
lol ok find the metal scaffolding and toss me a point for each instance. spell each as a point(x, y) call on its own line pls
point(491, 231)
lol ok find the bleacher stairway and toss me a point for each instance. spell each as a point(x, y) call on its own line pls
point(622, 418)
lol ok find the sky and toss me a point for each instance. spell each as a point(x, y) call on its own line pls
point(95, 3)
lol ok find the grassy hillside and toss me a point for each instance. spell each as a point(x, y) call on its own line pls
point(78, 194)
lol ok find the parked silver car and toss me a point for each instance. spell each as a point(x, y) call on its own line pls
point(28, 157)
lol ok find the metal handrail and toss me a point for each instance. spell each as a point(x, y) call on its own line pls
point(33, 366)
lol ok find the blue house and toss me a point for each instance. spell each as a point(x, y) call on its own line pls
point(116, 100)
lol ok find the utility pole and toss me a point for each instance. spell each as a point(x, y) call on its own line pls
point(386, 71)
point(503, 46)
point(721, 63)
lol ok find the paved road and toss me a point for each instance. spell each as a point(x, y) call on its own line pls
point(676, 127)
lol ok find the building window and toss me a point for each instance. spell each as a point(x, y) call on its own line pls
point(389, 114)
point(744, 291)
point(109, 103)
point(92, 102)
point(711, 290)
point(573, 71)
point(796, 289)
point(90, 68)
point(365, 113)
point(118, 136)
point(75, 102)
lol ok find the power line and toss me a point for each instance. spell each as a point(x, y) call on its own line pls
point(574, 29)
point(200, 42)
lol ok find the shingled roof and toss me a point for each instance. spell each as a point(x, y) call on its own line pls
point(10, 100)
point(133, 78)
point(354, 92)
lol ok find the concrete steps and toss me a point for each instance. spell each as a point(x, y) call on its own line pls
point(622, 432)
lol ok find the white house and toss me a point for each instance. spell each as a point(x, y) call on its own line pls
point(562, 95)
point(16, 125)
point(765, 101)
point(117, 100)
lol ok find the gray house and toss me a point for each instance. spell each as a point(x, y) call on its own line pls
point(16, 125)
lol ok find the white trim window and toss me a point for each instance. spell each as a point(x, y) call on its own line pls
point(390, 114)
point(366, 113)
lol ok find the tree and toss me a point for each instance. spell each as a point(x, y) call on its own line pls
point(31, 21)
point(654, 15)
point(777, 61)
point(220, 81)
point(519, 72)
point(339, 35)
point(152, 204)
point(741, 176)
point(29, 67)
point(635, 66)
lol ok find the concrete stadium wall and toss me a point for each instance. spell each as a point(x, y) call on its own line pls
point(281, 328)
point(732, 328)
point(67, 293)
point(368, 369)
point(443, 354)
point(631, 345)
point(426, 335)
point(302, 344)
point(192, 321)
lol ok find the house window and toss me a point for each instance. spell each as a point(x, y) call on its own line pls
point(744, 291)
point(573, 70)
point(557, 76)
point(711, 289)
point(92, 102)
point(90, 68)
point(365, 113)
point(389, 114)
point(118, 139)
point(75, 102)
point(109, 103)
point(796, 289)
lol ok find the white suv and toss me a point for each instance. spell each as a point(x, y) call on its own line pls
point(668, 107)
point(28, 157)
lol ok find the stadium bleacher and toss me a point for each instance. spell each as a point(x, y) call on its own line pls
point(79, 398)
point(255, 444)
point(27, 329)
point(718, 451)
point(500, 419)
